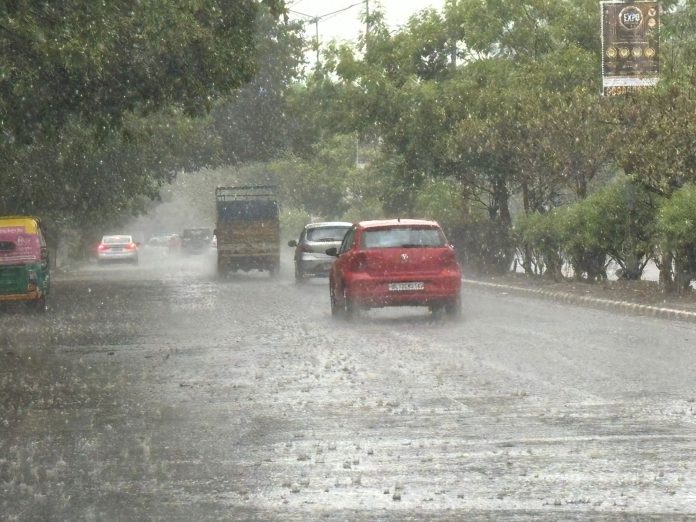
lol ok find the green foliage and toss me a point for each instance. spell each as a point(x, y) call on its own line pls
point(527, 28)
point(100, 60)
point(364, 210)
point(292, 221)
point(93, 182)
point(96, 98)
point(464, 112)
point(677, 219)
point(540, 240)
point(503, 98)
point(613, 223)
point(257, 122)
point(582, 240)
point(484, 246)
point(655, 127)
point(656, 130)
point(623, 225)
point(442, 201)
point(676, 230)
point(491, 94)
point(328, 183)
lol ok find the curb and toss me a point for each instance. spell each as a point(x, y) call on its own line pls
point(607, 304)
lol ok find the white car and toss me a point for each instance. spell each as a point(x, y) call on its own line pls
point(117, 248)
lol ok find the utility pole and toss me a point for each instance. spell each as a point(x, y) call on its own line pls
point(367, 21)
point(316, 33)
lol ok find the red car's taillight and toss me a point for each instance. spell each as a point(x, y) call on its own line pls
point(358, 263)
point(448, 260)
point(102, 247)
point(130, 246)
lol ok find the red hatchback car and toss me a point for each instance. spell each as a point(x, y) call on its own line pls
point(397, 262)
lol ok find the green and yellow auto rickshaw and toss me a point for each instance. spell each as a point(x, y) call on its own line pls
point(24, 266)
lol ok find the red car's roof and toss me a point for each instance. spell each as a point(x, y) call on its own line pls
point(378, 223)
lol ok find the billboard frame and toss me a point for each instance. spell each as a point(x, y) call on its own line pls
point(630, 37)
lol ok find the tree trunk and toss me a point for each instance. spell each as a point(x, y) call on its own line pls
point(527, 260)
point(664, 264)
point(581, 186)
point(633, 270)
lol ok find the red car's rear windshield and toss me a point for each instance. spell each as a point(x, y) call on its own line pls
point(402, 237)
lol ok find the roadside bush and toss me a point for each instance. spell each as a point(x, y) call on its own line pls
point(584, 244)
point(539, 239)
point(614, 223)
point(623, 227)
point(484, 246)
point(676, 234)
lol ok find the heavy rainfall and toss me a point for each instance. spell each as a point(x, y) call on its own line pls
point(441, 271)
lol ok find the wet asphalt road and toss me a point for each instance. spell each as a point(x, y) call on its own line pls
point(158, 392)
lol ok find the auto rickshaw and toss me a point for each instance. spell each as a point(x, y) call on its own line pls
point(24, 266)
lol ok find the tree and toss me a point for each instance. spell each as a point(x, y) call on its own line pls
point(100, 60)
point(327, 184)
point(96, 97)
point(655, 127)
point(676, 226)
point(255, 122)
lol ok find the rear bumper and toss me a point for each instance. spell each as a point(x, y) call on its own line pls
point(117, 256)
point(316, 265)
point(248, 262)
point(369, 291)
point(28, 296)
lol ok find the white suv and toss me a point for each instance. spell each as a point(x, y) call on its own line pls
point(310, 248)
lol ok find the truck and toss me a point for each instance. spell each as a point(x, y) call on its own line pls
point(247, 229)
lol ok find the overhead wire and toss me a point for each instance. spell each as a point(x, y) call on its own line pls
point(321, 17)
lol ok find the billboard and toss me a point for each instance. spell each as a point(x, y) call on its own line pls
point(630, 45)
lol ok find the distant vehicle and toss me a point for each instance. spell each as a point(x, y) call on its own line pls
point(247, 229)
point(117, 248)
point(310, 249)
point(213, 243)
point(196, 240)
point(158, 241)
point(404, 262)
point(24, 264)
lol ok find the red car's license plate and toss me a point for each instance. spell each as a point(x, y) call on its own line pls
point(406, 287)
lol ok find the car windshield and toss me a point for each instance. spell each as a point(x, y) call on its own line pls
point(402, 237)
point(326, 233)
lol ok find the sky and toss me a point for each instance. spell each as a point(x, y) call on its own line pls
point(346, 25)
